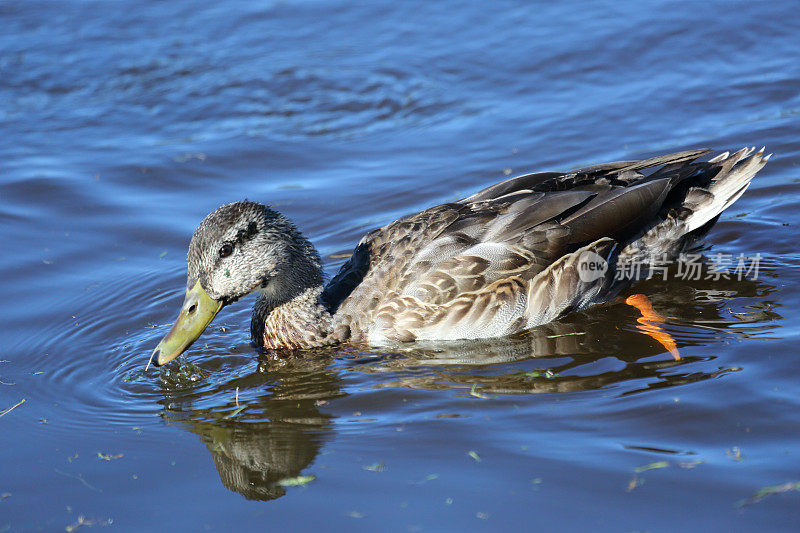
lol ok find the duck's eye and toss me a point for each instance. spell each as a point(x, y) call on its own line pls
point(226, 250)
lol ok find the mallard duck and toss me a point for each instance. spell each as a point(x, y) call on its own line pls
point(506, 259)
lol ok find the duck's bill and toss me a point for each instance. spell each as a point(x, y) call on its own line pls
point(197, 312)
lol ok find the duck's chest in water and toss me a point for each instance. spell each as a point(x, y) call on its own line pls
point(292, 328)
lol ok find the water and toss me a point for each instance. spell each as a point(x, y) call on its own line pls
point(123, 124)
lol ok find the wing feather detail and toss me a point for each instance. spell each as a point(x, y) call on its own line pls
point(509, 257)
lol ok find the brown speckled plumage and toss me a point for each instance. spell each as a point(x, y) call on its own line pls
point(299, 323)
point(498, 262)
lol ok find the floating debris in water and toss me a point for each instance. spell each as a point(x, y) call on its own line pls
point(429, 477)
point(635, 481)
point(651, 466)
point(735, 453)
point(480, 395)
point(83, 521)
point(474, 455)
point(377, 467)
point(79, 478)
point(186, 374)
point(769, 491)
point(540, 372)
point(109, 456)
point(13, 407)
point(356, 514)
point(235, 412)
point(133, 376)
point(566, 335)
point(299, 481)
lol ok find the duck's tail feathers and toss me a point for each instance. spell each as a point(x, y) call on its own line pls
point(682, 224)
point(731, 181)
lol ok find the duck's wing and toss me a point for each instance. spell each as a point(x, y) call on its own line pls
point(469, 244)
point(620, 172)
point(479, 266)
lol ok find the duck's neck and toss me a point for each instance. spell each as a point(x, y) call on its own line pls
point(302, 322)
point(288, 313)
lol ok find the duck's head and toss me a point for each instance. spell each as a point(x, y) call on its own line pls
point(238, 249)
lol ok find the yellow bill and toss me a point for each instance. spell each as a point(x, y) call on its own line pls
point(197, 312)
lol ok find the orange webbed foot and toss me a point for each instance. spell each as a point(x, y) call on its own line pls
point(649, 323)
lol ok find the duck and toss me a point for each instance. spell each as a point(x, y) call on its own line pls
point(515, 255)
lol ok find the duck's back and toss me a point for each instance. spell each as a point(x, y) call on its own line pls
point(507, 258)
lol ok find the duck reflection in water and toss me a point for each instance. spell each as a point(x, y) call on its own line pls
point(272, 437)
point(285, 426)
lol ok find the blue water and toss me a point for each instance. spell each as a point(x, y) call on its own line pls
point(123, 124)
